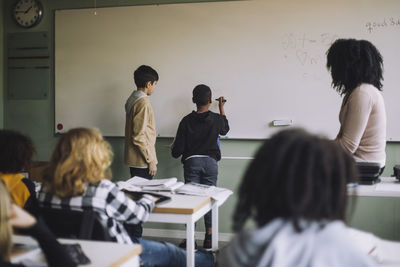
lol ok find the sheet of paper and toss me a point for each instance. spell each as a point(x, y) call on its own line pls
point(388, 187)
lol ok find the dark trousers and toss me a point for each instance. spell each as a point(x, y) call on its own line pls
point(136, 230)
point(141, 172)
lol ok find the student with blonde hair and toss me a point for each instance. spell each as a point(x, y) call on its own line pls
point(78, 178)
point(11, 216)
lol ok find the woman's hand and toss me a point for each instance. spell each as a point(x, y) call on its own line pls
point(20, 218)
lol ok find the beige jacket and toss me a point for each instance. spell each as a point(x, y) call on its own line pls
point(140, 134)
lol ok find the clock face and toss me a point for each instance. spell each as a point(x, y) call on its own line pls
point(27, 13)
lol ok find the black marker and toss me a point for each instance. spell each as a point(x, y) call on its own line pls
point(223, 101)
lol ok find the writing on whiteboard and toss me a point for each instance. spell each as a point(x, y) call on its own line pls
point(306, 49)
point(372, 26)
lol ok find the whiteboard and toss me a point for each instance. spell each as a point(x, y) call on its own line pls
point(267, 58)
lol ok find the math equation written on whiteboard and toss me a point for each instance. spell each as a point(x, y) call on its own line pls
point(372, 26)
point(307, 51)
point(306, 48)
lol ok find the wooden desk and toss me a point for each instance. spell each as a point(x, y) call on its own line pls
point(388, 187)
point(100, 253)
point(185, 209)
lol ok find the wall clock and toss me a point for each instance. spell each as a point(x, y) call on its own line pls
point(27, 13)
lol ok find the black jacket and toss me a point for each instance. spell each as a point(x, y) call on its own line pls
point(54, 252)
point(198, 135)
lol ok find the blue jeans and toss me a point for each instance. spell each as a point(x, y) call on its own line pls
point(201, 170)
point(163, 254)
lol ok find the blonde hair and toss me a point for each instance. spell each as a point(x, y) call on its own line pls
point(5, 226)
point(81, 156)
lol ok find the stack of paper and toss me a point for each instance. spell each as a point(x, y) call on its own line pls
point(141, 184)
point(137, 184)
point(214, 192)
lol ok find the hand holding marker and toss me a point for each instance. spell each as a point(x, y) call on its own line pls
point(221, 102)
point(221, 99)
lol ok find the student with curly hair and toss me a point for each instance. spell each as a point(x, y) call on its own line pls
point(16, 151)
point(295, 190)
point(356, 68)
point(78, 178)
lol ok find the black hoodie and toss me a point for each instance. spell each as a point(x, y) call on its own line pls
point(198, 135)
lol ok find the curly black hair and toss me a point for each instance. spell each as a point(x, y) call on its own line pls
point(353, 62)
point(201, 95)
point(16, 151)
point(295, 175)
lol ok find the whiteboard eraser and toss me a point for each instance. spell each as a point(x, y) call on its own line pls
point(282, 122)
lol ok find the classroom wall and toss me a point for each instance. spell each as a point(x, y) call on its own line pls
point(36, 118)
point(1, 64)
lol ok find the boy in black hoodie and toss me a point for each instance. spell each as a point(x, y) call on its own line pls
point(197, 142)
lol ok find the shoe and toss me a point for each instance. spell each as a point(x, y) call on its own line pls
point(207, 241)
point(215, 256)
point(183, 244)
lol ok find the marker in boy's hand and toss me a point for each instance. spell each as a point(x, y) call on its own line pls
point(221, 102)
point(221, 99)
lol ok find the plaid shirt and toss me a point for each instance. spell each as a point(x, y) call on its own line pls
point(110, 203)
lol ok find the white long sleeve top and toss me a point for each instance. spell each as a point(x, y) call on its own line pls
point(363, 124)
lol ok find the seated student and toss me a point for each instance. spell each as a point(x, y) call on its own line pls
point(296, 191)
point(12, 215)
point(15, 156)
point(77, 178)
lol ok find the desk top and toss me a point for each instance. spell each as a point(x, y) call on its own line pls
point(182, 204)
point(388, 187)
point(100, 253)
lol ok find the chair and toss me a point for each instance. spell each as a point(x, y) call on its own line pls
point(74, 224)
point(368, 172)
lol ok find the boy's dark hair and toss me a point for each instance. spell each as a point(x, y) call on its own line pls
point(16, 151)
point(201, 95)
point(295, 176)
point(352, 62)
point(144, 74)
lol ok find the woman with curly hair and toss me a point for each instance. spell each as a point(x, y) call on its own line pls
point(295, 190)
point(356, 68)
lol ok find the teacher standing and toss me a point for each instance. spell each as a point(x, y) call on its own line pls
point(356, 67)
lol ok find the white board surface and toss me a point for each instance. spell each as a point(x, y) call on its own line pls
point(266, 57)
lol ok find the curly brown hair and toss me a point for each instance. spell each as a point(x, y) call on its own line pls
point(16, 151)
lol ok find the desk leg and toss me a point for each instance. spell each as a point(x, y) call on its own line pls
point(190, 244)
point(215, 231)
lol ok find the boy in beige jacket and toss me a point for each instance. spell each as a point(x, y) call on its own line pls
point(140, 131)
